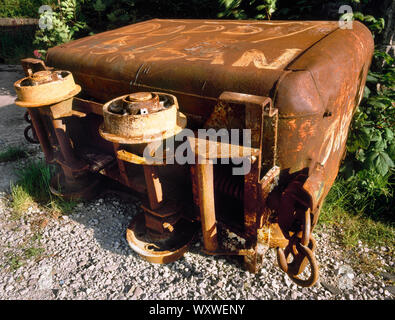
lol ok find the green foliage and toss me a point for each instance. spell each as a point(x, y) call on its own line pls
point(371, 145)
point(61, 25)
point(350, 206)
point(102, 15)
point(376, 25)
point(21, 8)
point(30, 249)
point(16, 44)
point(32, 187)
point(365, 192)
point(99, 6)
point(14, 261)
point(251, 9)
point(12, 153)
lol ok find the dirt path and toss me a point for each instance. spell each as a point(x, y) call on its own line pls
point(12, 123)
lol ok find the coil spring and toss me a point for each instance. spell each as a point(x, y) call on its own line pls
point(228, 186)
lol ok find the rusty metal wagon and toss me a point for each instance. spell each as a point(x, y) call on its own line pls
point(102, 106)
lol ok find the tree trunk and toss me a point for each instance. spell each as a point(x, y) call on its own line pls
point(385, 41)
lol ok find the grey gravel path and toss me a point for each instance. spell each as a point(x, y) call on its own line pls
point(85, 256)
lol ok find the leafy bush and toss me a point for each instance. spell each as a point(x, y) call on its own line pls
point(369, 165)
point(21, 8)
point(371, 143)
point(62, 24)
point(102, 15)
point(252, 9)
point(16, 44)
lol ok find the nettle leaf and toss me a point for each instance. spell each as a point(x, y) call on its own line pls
point(261, 7)
point(375, 102)
point(371, 78)
point(388, 160)
point(260, 16)
point(359, 16)
point(363, 138)
point(380, 145)
point(360, 155)
point(380, 161)
point(391, 150)
point(366, 92)
point(389, 134)
point(375, 135)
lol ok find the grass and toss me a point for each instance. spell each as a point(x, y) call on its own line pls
point(15, 261)
point(32, 188)
point(356, 228)
point(31, 249)
point(354, 222)
point(13, 153)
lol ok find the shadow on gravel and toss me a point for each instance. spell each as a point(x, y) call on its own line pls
point(109, 216)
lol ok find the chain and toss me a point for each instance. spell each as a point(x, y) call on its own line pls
point(301, 246)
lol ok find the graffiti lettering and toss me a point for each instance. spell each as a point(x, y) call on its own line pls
point(258, 58)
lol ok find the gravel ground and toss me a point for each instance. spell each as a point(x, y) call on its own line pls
point(84, 255)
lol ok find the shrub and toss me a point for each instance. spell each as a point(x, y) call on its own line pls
point(62, 25)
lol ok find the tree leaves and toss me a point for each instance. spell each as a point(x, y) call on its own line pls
point(380, 161)
point(247, 9)
point(63, 25)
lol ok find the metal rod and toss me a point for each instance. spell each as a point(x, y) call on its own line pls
point(64, 141)
point(205, 183)
point(121, 166)
point(154, 187)
point(40, 132)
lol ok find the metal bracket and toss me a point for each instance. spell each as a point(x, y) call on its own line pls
point(262, 119)
point(31, 65)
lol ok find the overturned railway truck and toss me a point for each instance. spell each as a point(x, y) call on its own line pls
point(234, 128)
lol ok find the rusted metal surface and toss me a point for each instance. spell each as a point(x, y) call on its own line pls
point(32, 65)
point(33, 91)
point(194, 57)
point(48, 96)
point(159, 251)
point(294, 84)
point(154, 186)
point(206, 149)
point(205, 184)
point(128, 128)
point(138, 119)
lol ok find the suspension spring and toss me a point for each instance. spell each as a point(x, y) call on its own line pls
point(228, 185)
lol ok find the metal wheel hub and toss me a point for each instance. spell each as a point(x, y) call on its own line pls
point(163, 250)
